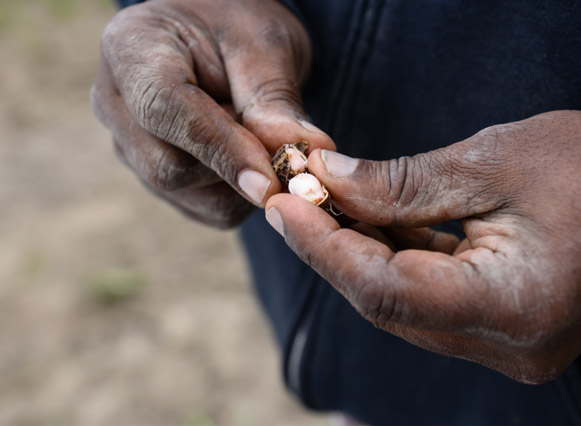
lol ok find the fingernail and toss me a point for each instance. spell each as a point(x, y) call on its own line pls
point(254, 185)
point(273, 217)
point(310, 127)
point(338, 165)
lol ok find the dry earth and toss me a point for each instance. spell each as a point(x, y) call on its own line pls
point(114, 309)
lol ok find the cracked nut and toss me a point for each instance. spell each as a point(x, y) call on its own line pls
point(290, 165)
point(290, 160)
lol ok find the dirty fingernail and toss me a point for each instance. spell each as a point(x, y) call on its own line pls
point(338, 165)
point(254, 185)
point(273, 217)
point(310, 126)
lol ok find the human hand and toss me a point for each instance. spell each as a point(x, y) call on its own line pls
point(199, 94)
point(507, 297)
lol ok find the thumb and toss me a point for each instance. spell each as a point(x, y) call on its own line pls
point(265, 73)
point(462, 180)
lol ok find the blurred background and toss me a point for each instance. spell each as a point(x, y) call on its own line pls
point(114, 309)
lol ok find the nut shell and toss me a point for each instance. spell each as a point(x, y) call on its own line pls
point(290, 160)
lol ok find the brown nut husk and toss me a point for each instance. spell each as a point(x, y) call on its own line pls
point(290, 160)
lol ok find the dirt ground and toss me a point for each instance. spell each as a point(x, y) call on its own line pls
point(114, 309)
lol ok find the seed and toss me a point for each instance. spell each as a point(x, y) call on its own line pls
point(309, 188)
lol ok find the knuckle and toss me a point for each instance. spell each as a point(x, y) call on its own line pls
point(399, 178)
point(489, 148)
point(379, 186)
point(489, 134)
point(209, 147)
point(115, 31)
point(163, 112)
point(492, 147)
point(111, 33)
point(286, 38)
point(275, 35)
point(266, 33)
point(159, 111)
point(220, 158)
point(493, 135)
point(217, 153)
point(282, 91)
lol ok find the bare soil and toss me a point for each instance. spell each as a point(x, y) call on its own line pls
point(114, 308)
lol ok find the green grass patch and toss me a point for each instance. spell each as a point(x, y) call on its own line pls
point(34, 265)
point(115, 285)
point(198, 417)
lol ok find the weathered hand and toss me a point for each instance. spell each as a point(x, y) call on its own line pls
point(509, 296)
point(177, 75)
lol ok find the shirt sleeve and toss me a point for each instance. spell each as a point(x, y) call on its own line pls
point(125, 3)
point(292, 5)
point(288, 3)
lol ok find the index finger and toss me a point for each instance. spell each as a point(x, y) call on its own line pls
point(153, 71)
point(413, 288)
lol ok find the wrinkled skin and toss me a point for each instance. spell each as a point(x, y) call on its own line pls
point(507, 297)
point(196, 92)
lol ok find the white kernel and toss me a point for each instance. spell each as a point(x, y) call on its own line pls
point(307, 187)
